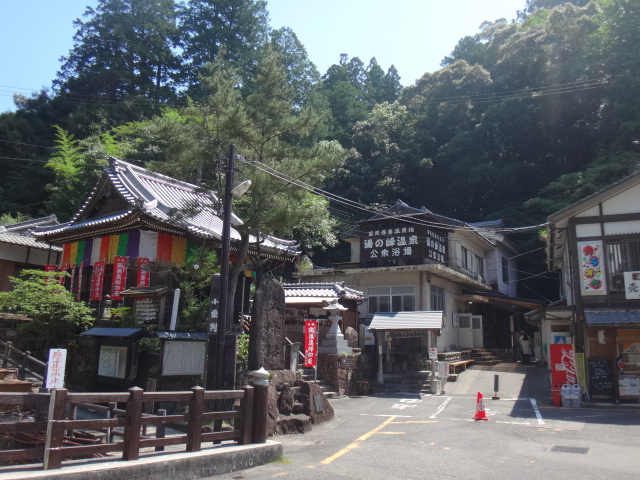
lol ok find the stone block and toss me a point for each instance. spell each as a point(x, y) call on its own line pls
point(294, 424)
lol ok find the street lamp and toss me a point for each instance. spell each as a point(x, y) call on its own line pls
point(217, 364)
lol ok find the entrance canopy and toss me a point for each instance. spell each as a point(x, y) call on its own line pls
point(406, 321)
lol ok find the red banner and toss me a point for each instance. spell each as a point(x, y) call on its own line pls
point(143, 272)
point(310, 343)
point(49, 268)
point(73, 277)
point(79, 292)
point(97, 280)
point(119, 277)
point(63, 268)
point(563, 364)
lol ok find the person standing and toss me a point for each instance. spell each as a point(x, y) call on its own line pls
point(525, 344)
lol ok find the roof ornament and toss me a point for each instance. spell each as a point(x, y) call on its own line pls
point(151, 204)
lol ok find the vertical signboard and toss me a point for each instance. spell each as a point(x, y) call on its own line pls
point(119, 277)
point(56, 367)
point(592, 273)
point(63, 268)
point(143, 272)
point(97, 280)
point(79, 290)
point(73, 277)
point(310, 343)
point(632, 285)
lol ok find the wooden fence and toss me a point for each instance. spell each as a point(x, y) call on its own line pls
point(22, 361)
point(61, 430)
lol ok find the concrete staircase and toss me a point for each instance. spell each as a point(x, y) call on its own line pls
point(410, 382)
point(489, 356)
point(308, 375)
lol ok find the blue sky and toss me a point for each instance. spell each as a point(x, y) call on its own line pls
point(413, 35)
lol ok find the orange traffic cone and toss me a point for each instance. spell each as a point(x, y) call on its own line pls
point(480, 413)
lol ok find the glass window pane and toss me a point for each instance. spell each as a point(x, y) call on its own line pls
point(396, 303)
point(384, 304)
point(373, 304)
point(378, 291)
point(409, 303)
point(402, 290)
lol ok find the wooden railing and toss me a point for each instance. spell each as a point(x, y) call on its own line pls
point(23, 361)
point(129, 423)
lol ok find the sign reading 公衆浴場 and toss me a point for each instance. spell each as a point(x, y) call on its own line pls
point(389, 240)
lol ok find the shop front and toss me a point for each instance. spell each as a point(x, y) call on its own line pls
point(404, 340)
point(613, 355)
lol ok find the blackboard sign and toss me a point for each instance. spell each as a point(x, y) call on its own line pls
point(600, 376)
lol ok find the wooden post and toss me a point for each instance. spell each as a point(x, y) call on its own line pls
point(161, 429)
point(23, 366)
point(131, 450)
point(196, 411)
point(247, 407)
point(149, 407)
point(55, 429)
point(261, 405)
point(7, 347)
point(110, 414)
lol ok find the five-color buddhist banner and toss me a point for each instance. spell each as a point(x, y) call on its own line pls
point(156, 246)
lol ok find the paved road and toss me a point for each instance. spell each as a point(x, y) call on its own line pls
point(434, 436)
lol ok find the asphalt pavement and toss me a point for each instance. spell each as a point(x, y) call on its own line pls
point(435, 436)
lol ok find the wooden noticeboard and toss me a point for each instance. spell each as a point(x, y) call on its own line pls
point(600, 377)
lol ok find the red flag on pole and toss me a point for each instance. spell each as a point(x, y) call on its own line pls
point(119, 277)
point(310, 343)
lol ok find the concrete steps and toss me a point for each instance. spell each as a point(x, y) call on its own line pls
point(411, 382)
point(488, 356)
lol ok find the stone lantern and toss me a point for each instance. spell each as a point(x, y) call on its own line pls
point(334, 342)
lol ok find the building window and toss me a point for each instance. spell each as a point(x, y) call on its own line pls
point(480, 266)
point(623, 255)
point(438, 299)
point(505, 270)
point(391, 299)
point(465, 258)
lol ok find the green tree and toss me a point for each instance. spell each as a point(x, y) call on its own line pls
point(123, 51)
point(77, 168)
point(235, 29)
point(275, 135)
point(55, 315)
point(301, 73)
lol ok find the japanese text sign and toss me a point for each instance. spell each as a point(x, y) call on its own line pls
point(119, 277)
point(310, 343)
point(56, 368)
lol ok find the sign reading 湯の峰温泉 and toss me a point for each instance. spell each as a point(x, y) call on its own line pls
point(591, 257)
point(390, 240)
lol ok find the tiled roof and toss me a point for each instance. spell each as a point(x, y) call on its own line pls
point(26, 241)
point(168, 200)
point(612, 317)
point(321, 290)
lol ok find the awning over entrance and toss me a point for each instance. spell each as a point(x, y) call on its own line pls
point(406, 321)
point(612, 317)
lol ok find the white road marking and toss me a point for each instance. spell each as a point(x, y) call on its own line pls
point(441, 407)
point(372, 415)
point(535, 409)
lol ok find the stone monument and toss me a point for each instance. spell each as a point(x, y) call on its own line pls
point(266, 337)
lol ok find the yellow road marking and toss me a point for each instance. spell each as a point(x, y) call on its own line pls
point(358, 441)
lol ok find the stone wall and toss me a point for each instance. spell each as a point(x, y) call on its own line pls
point(348, 374)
